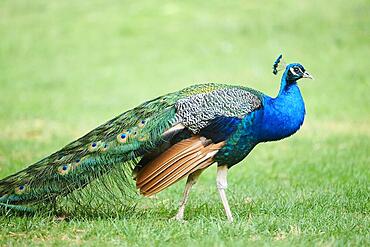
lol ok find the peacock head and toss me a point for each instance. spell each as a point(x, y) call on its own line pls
point(296, 71)
point(293, 72)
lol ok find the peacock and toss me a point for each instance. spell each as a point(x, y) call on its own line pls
point(163, 140)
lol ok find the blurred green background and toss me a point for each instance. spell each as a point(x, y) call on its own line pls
point(68, 66)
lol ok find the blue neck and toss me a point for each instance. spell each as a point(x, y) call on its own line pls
point(285, 84)
point(283, 115)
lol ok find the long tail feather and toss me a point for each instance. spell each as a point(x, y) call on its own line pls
point(123, 140)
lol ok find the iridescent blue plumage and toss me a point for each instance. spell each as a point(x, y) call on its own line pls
point(278, 118)
point(220, 128)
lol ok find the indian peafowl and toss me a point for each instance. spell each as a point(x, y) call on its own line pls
point(168, 138)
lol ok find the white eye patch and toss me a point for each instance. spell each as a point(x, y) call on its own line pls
point(294, 73)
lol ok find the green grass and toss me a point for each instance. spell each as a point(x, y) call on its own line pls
point(67, 66)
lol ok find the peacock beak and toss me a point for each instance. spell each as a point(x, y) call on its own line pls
point(307, 75)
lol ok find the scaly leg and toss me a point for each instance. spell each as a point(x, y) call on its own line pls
point(192, 179)
point(222, 186)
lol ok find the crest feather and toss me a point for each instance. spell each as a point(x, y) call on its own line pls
point(279, 64)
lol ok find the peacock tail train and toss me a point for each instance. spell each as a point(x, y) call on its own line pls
point(117, 145)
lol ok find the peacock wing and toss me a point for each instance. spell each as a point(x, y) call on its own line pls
point(208, 119)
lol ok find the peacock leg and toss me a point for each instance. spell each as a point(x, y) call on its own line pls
point(222, 186)
point(192, 179)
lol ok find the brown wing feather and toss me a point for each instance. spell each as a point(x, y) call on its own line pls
point(172, 171)
point(164, 161)
point(180, 173)
point(175, 163)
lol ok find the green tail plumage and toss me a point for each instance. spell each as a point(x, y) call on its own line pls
point(121, 140)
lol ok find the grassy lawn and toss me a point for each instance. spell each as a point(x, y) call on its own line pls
point(67, 66)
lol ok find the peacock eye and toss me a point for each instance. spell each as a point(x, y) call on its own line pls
point(297, 70)
point(20, 189)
